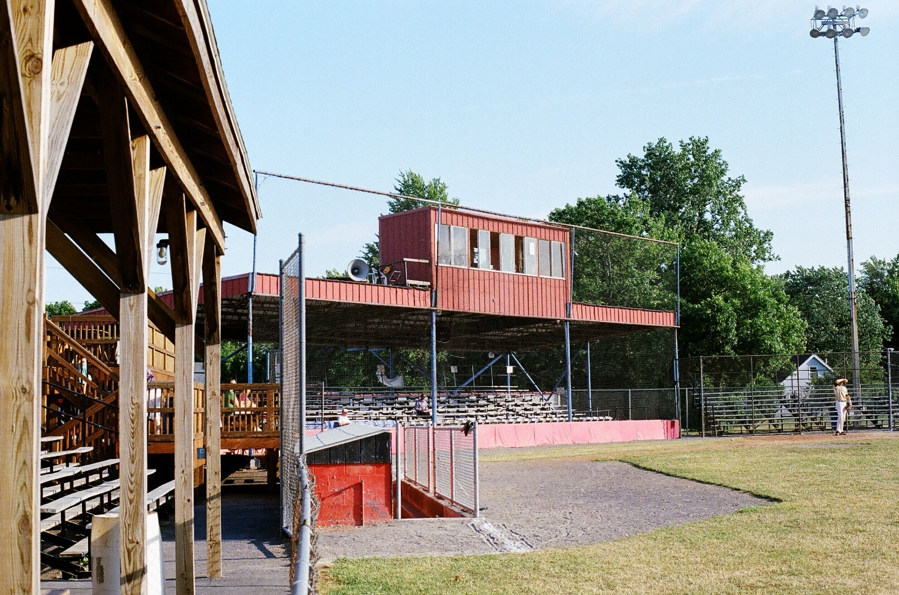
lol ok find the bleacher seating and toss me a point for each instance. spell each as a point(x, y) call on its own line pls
point(70, 497)
point(481, 405)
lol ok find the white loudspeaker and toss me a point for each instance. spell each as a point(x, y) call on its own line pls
point(357, 270)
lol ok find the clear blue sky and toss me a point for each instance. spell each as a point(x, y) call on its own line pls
point(523, 107)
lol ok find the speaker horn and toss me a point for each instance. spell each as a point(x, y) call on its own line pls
point(357, 270)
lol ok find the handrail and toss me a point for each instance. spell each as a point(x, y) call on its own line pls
point(78, 419)
point(77, 348)
point(76, 393)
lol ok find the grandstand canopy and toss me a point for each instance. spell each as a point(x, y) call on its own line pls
point(346, 314)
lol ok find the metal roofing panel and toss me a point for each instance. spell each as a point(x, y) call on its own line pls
point(341, 435)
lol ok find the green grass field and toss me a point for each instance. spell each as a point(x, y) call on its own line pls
point(834, 529)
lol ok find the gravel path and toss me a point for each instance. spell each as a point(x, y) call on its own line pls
point(544, 504)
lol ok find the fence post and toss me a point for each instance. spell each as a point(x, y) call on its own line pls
point(589, 383)
point(630, 405)
point(399, 473)
point(799, 394)
point(477, 493)
point(890, 387)
point(452, 465)
point(702, 395)
point(751, 395)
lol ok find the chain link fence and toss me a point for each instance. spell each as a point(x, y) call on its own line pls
point(786, 393)
point(630, 272)
point(417, 456)
point(290, 388)
point(443, 461)
point(456, 466)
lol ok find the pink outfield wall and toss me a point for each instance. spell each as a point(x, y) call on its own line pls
point(567, 432)
point(578, 432)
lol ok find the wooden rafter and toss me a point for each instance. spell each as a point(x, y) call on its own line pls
point(109, 34)
point(194, 24)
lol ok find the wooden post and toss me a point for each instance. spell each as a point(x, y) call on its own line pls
point(21, 327)
point(134, 203)
point(32, 141)
point(187, 245)
point(212, 281)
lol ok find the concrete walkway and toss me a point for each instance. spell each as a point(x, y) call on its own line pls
point(255, 558)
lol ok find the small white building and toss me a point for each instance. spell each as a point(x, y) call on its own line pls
point(797, 383)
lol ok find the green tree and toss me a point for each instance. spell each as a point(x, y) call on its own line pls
point(91, 305)
point(412, 185)
point(62, 308)
point(822, 296)
point(236, 365)
point(880, 280)
point(728, 304)
point(690, 189)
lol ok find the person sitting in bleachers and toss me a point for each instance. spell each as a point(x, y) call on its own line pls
point(421, 407)
point(344, 418)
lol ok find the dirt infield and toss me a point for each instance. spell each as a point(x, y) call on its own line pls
point(544, 504)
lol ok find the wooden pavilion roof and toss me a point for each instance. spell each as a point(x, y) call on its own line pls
point(174, 45)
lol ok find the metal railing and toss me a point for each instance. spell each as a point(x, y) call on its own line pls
point(444, 462)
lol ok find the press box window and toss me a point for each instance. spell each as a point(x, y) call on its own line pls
point(543, 260)
point(507, 252)
point(479, 251)
point(452, 245)
point(530, 256)
point(557, 263)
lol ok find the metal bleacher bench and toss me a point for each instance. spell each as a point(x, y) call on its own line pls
point(74, 475)
point(57, 509)
point(64, 455)
point(154, 499)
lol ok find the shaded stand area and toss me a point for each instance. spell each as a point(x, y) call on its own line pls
point(257, 557)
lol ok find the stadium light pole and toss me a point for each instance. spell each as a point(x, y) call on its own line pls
point(833, 24)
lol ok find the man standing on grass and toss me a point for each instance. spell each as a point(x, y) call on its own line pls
point(843, 402)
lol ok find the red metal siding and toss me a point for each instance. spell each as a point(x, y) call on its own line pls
point(408, 235)
point(366, 293)
point(494, 292)
point(353, 494)
point(617, 315)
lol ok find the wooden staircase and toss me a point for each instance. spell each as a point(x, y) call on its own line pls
point(80, 401)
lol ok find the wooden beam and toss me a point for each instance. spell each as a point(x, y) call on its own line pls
point(157, 183)
point(107, 262)
point(109, 34)
point(18, 180)
point(83, 269)
point(212, 295)
point(67, 80)
point(127, 184)
point(182, 252)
